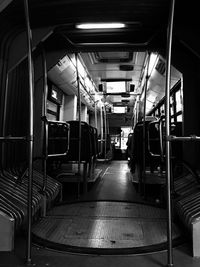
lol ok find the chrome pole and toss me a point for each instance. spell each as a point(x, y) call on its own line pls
point(95, 113)
point(107, 124)
point(45, 156)
point(161, 143)
point(30, 165)
point(79, 118)
point(144, 126)
point(184, 138)
point(136, 111)
point(101, 121)
point(4, 120)
point(167, 121)
point(105, 130)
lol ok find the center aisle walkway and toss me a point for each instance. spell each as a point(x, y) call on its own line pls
point(115, 184)
point(107, 221)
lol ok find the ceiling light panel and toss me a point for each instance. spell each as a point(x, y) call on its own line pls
point(91, 26)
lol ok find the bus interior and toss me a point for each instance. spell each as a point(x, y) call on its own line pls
point(99, 133)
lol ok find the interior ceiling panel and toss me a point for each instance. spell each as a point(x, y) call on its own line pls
point(4, 4)
point(145, 20)
point(112, 57)
point(146, 26)
point(108, 70)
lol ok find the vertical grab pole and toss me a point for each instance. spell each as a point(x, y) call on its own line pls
point(45, 88)
point(4, 121)
point(79, 118)
point(95, 113)
point(101, 117)
point(167, 121)
point(107, 125)
point(161, 144)
point(105, 130)
point(144, 126)
point(30, 165)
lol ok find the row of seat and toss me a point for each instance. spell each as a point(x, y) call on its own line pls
point(186, 202)
point(58, 138)
point(14, 201)
point(89, 142)
point(64, 140)
point(152, 144)
point(65, 167)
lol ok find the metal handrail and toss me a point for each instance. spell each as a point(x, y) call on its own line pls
point(31, 125)
point(79, 117)
point(105, 132)
point(159, 122)
point(45, 151)
point(144, 128)
point(183, 138)
point(167, 121)
point(161, 138)
point(14, 138)
point(44, 118)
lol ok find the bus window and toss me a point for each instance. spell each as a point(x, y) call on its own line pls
point(180, 117)
point(52, 111)
point(178, 101)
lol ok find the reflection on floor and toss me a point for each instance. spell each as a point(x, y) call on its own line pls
point(104, 227)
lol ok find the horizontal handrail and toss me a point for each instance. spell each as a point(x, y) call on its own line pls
point(183, 138)
point(13, 138)
point(57, 155)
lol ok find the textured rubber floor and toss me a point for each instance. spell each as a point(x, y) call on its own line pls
point(104, 227)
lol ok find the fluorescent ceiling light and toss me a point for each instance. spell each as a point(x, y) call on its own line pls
point(90, 26)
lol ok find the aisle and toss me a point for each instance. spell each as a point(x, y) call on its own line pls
point(115, 184)
point(110, 219)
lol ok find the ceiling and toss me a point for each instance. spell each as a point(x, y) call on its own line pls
point(104, 52)
point(4, 4)
point(146, 21)
point(114, 67)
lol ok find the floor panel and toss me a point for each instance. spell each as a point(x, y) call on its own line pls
point(104, 225)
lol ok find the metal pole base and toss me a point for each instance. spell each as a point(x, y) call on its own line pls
point(170, 265)
point(30, 263)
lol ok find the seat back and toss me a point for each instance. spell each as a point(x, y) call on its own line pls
point(86, 142)
point(58, 138)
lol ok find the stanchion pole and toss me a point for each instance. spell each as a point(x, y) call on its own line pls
point(101, 122)
point(79, 118)
point(167, 121)
point(30, 141)
point(105, 131)
point(144, 128)
point(45, 123)
point(95, 113)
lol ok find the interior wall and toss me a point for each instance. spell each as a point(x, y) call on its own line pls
point(70, 107)
point(189, 65)
point(20, 45)
point(16, 117)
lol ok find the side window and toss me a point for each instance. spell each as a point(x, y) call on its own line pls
point(54, 102)
point(178, 106)
point(52, 111)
